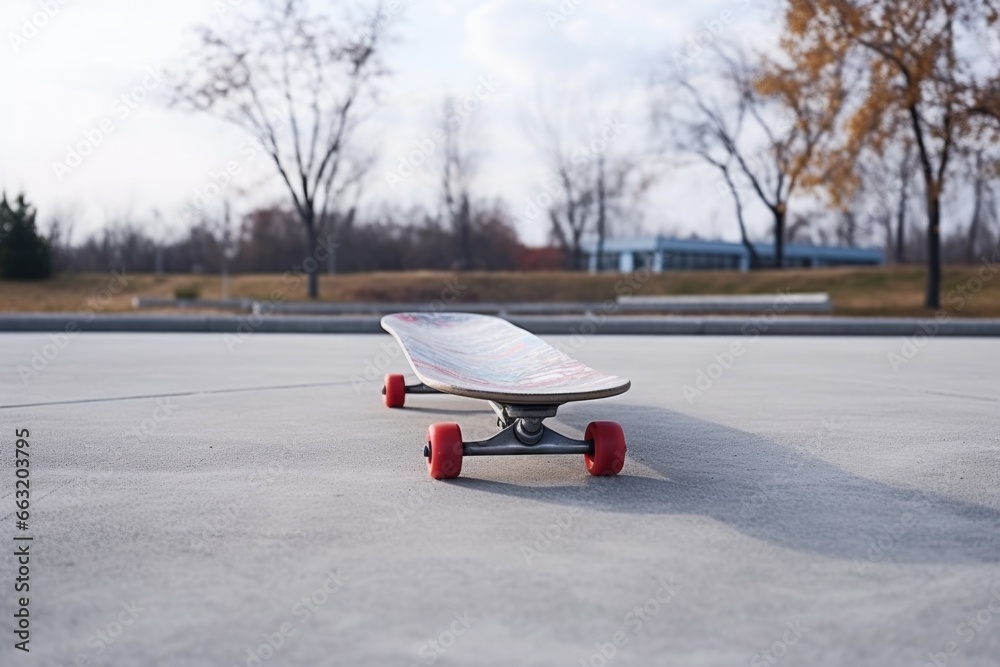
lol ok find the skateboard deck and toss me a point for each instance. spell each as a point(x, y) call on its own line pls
point(485, 357)
point(524, 379)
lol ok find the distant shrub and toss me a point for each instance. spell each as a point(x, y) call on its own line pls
point(23, 253)
point(187, 292)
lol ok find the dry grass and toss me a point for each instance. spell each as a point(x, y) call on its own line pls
point(891, 291)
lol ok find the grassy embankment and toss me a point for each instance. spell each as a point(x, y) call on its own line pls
point(890, 291)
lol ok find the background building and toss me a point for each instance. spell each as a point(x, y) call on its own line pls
point(660, 253)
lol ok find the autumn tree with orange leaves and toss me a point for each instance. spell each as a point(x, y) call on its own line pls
point(922, 70)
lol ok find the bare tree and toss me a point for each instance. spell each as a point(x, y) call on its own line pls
point(719, 114)
point(594, 185)
point(695, 126)
point(573, 200)
point(620, 182)
point(877, 207)
point(299, 82)
point(984, 168)
point(906, 172)
point(61, 225)
point(458, 170)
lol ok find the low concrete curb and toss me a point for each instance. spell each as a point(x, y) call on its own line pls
point(192, 304)
point(816, 302)
point(645, 305)
point(570, 324)
point(47, 322)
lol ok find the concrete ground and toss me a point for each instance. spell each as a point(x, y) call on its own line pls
point(199, 499)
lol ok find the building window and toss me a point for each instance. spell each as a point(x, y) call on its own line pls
point(608, 261)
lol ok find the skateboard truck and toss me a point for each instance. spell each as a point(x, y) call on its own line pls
point(523, 433)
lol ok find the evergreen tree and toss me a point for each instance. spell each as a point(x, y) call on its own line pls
point(23, 253)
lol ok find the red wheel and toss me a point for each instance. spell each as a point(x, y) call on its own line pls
point(394, 390)
point(444, 451)
point(609, 448)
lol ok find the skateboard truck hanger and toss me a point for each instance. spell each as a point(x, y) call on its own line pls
point(419, 388)
point(523, 433)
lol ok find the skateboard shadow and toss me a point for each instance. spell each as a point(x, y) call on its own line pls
point(783, 495)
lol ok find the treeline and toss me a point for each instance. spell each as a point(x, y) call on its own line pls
point(270, 240)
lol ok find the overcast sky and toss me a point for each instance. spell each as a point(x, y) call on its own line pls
point(65, 67)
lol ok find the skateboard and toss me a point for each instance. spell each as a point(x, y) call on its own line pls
point(524, 379)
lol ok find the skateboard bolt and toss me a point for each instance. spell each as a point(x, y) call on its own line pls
point(427, 450)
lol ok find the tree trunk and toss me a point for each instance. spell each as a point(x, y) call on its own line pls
point(331, 254)
point(977, 212)
point(779, 236)
point(754, 257)
point(755, 262)
point(310, 263)
point(901, 221)
point(577, 265)
point(932, 299)
point(463, 223)
point(601, 212)
point(932, 185)
point(339, 227)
